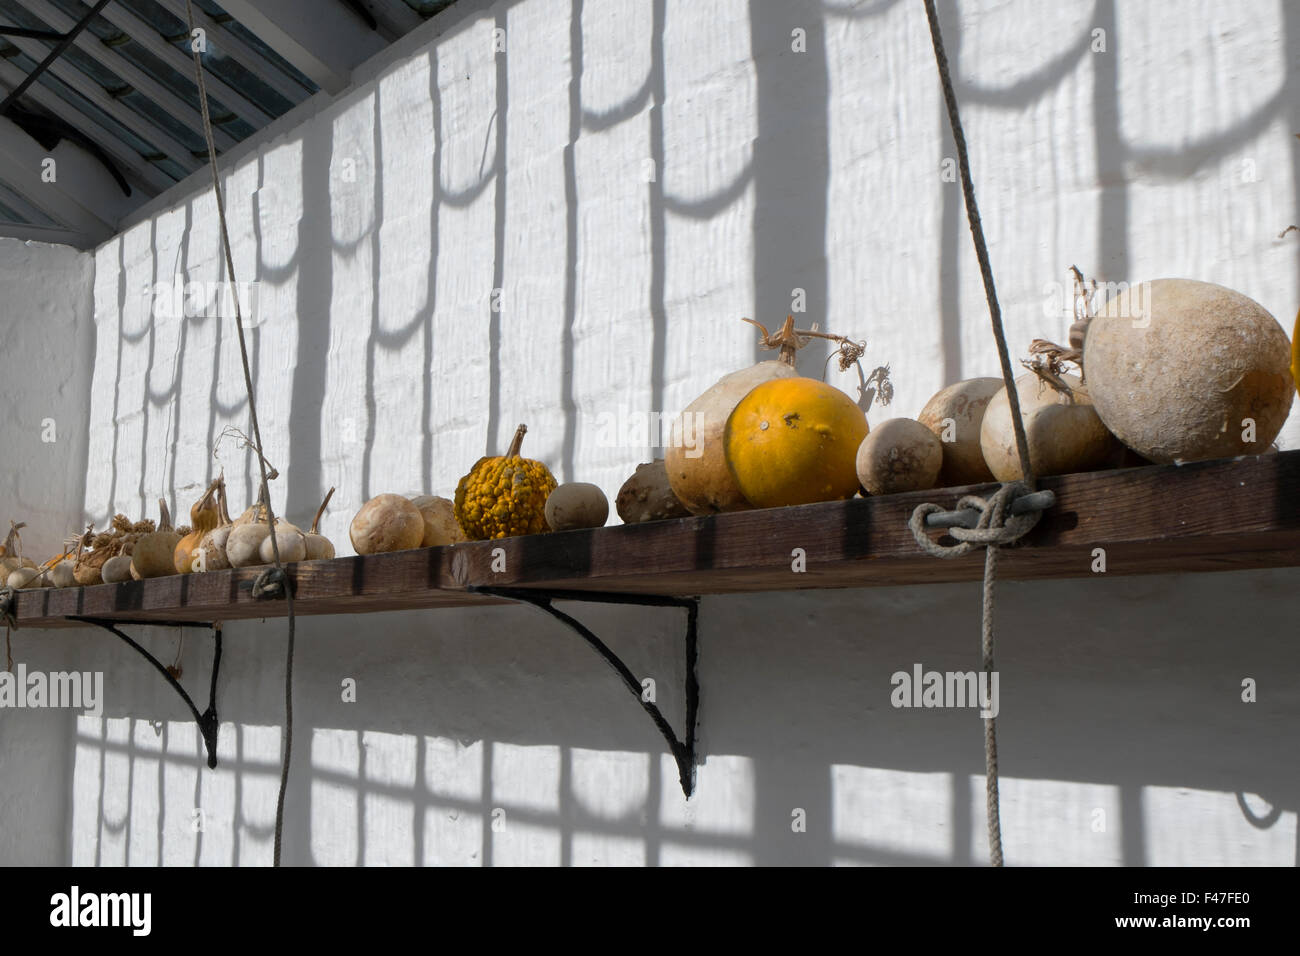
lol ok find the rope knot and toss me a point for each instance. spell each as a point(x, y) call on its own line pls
point(8, 613)
point(271, 583)
point(996, 525)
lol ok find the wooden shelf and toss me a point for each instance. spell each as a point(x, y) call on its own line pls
point(1205, 516)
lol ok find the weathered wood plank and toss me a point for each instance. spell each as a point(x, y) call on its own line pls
point(1205, 516)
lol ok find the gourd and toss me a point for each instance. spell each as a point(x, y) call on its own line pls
point(26, 578)
point(697, 456)
point(954, 415)
point(440, 525)
point(696, 460)
point(576, 504)
point(318, 546)
point(244, 545)
point(154, 554)
point(793, 441)
point(117, 569)
point(210, 555)
point(1062, 427)
point(899, 455)
point(1182, 370)
point(504, 495)
point(290, 541)
point(60, 574)
point(205, 516)
point(386, 523)
point(648, 495)
point(11, 550)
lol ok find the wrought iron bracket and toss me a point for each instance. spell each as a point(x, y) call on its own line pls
point(683, 751)
point(207, 721)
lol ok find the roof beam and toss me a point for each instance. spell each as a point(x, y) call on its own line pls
point(323, 40)
point(75, 199)
point(137, 123)
point(52, 234)
point(31, 213)
point(143, 173)
point(247, 57)
point(127, 70)
point(143, 33)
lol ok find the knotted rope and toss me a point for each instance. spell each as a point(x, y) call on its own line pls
point(271, 583)
point(8, 613)
point(997, 526)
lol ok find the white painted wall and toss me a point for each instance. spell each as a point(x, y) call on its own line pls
point(47, 342)
point(381, 366)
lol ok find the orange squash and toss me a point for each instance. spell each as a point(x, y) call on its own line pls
point(794, 441)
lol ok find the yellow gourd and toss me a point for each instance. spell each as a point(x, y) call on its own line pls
point(794, 441)
point(504, 496)
point(205, 516)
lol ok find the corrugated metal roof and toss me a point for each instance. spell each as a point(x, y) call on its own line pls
point(123, 92)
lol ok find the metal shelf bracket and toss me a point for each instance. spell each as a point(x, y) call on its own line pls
point(683, 751)
point(207, 721)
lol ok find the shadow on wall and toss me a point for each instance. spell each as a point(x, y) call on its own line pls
point(513, 743)
point(788, 174)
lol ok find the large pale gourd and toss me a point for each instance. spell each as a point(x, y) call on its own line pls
point(1182, 370)
point(696, 457)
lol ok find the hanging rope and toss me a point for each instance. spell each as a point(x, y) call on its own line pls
point(272, 582)
point(997, 526)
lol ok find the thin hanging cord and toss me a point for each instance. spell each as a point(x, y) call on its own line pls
point(287, 736)
point(981, 250)
point(995, 515)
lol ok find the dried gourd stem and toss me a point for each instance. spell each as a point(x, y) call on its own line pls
point(789, 340)
point(164, 516)
point(287, 735)
point(14, 541)
point(517, 442)
point(315, 522)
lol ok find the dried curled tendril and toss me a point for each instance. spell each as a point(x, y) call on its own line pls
point(1051, 361)
point(848, 353)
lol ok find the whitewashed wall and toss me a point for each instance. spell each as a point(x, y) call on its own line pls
point(47, 341)
point(634, 177)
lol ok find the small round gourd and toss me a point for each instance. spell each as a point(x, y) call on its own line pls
point(440, 525)
point(954, 415)
point(289, 539)
point(576, 504)
point(387, 523)
point(244, 546)
point(899, 455)
point(61, 576)
point(117, 569)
